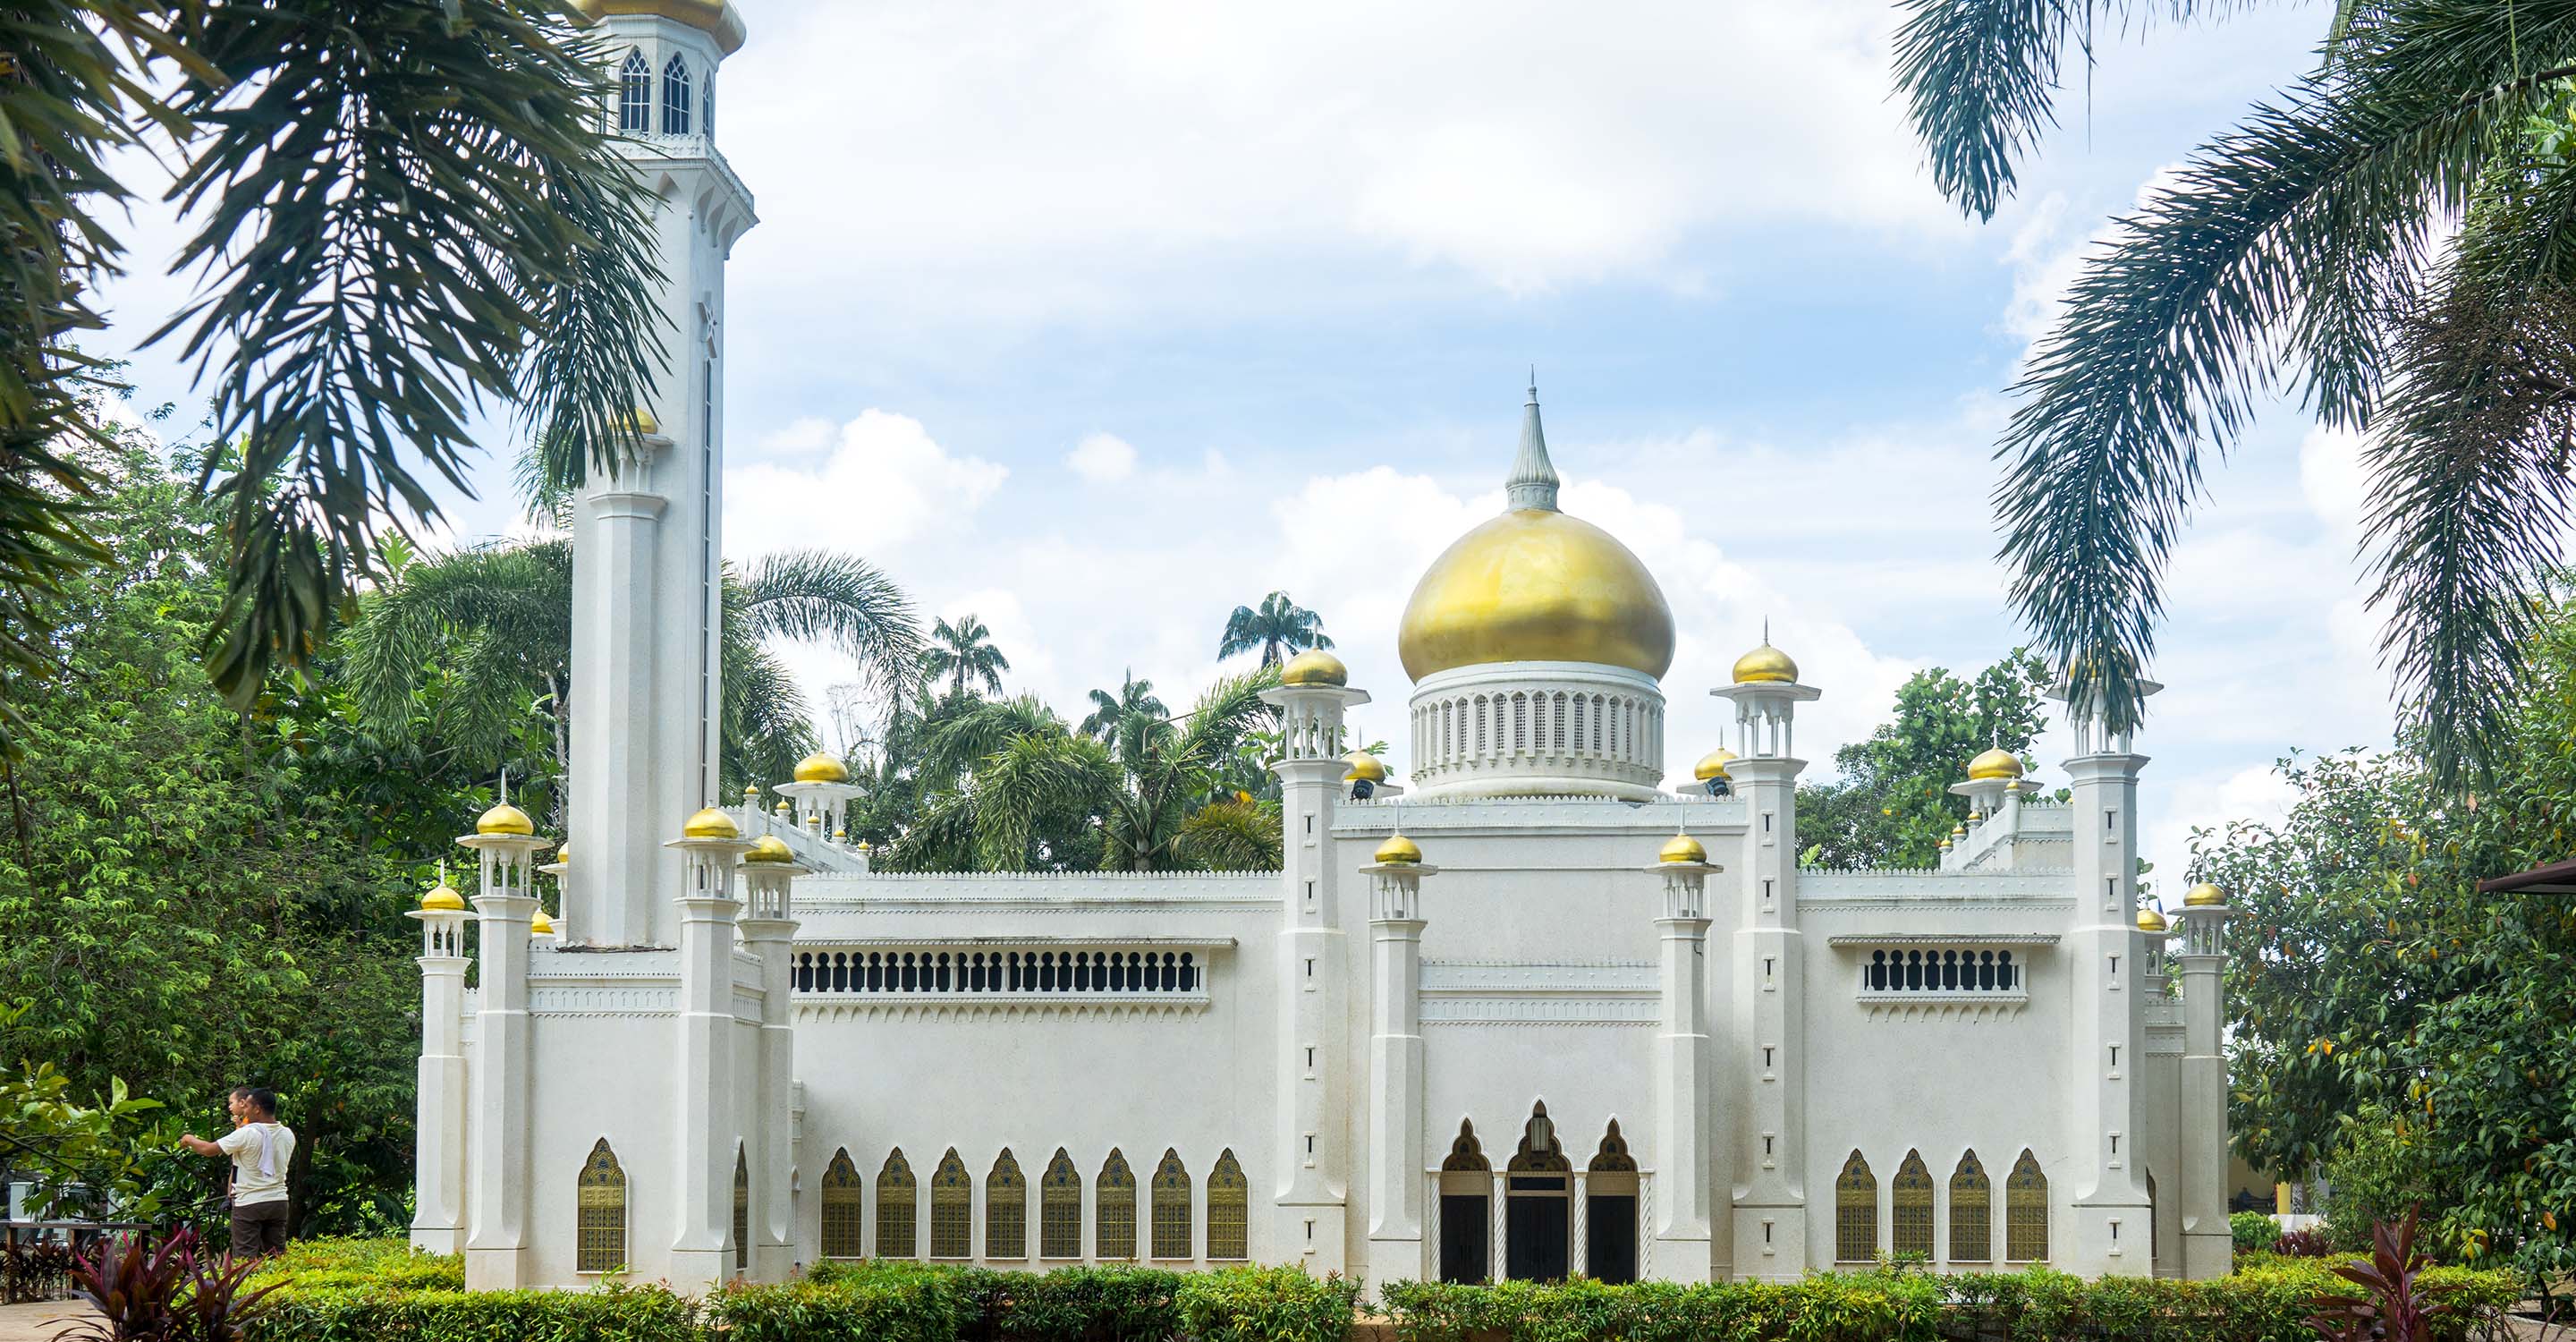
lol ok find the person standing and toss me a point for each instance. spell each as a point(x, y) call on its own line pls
point(261, 1149)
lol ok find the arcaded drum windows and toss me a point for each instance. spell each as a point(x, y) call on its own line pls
point(841, 1224)
point(1060, 1209)
point(895, 1214)
point(1171, 1207)
point(676, 90)
point(599, 1235)
point(1972, 1234)
point(635, 95)
point(1115, 1236)
point(2026, 1211)
point(1856, 1213)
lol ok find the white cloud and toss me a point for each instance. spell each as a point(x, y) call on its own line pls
point(885, 483)
point(2332, 476)
point(1102, 458)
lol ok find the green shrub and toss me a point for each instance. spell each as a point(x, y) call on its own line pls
point(338, 1264)
point(2252, 1230)
point(612, 1313)
point(862, 1302)
point(1265, 1304)
point(1827, 1307)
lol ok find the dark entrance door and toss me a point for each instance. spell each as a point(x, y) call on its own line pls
point(1465, 1220)
point(1610, 1237)
point(1536, 1228)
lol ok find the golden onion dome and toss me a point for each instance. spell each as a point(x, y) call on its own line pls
point(822, 767)
point(1713, 764)
point(1958, 831)
point(1535, 585)
point(1365, 768)
point(504, 819)
point(1682, 848)
point(442, 898)
point(2151, 920)
point(1399, 851)
point(715, 18)
point(710, 824)
point(769, 849)
point(1766, 665)
point(540, 925)
point(2204, 896)
point(1314, 666)
point(1995, 763)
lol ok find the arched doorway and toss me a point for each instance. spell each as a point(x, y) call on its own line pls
point(1610, 1211)
point(1538, 1208)
point(1466, 1210)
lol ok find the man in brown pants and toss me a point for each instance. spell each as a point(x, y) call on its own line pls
point(260, 1148)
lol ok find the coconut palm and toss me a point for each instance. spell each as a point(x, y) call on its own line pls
point(400, 213)
point(1124, 719)
point(1277, 627)
point(964, 653)
point(2313, 245)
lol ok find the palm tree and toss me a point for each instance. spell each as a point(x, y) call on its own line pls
point(1124, 719)
point(1279, 626)
point(964, 653)
point(2312, 245)
point(347, 332)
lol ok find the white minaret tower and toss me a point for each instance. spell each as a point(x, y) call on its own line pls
point(768, 928)
point(2207, 1249)
point(496, 1225)
point(1395, 1103)
point(648, 538)
point(712, 1119)
point(438, 1221)
point(1685, 1223)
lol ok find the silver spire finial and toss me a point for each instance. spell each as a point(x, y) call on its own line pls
point(1532, 483)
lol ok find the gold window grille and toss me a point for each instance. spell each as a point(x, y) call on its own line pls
point(2026, 1211)
point(1060, 1209)
point(1856, 1213)
point(599, 1236)
point(1229, 1209)
point(1972, 1212)
point(1171, 1207)
point(1006, 1209)
point(1910, 1192)
point(1115, 1236)
point(842, 1228)
point(952, 1209)
point(897, 1225)
point(741, 1210)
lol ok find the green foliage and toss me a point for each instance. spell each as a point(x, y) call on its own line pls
point(91, 1153)
point(964, 653)
point(1277, 627)
point(1266, 1304)
point(2252, 1230)
point(1889, 804)
point(615, 1312)
point(2378, 1172)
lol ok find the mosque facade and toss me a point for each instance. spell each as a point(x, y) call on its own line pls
point(1540, 1013)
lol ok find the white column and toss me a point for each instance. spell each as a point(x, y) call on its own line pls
point(496, 1234)
point(1683, 1220)
point(616, 538)
point(709, 1124)
point(2104, 960)
point(770, 933)
point(1396, 1188)
point(2207, 1248)
point(438, 1219)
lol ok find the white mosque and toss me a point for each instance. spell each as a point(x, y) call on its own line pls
point(1564, 1022)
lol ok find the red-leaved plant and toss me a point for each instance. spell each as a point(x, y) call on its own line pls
point(2397, 1306)
point(175, 1293)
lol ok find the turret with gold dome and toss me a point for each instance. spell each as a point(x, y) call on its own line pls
point(1536, 643)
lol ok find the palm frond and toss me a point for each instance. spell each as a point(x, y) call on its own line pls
point(839, 599)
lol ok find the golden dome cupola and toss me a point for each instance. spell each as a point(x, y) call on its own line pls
point(1536, 643)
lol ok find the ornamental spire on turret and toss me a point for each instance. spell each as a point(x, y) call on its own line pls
point(1532, 483)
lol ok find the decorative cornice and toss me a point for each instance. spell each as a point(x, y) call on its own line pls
point(1042, 939)
point(1943, 1003)
point(1856, 939)
point(835, 1006)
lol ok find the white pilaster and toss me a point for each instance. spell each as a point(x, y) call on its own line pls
point(438, 1217)
point(2207, 1248)
point(2105, 959)
point(616, 552)
point(496, 1233)
point(1397, 1208)
point(710, 1124)
point(1684, 1220)
point(769, 932)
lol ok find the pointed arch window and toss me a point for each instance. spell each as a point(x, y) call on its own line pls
point(2026, 1211)
point(599, 1235)
point(1006, 1209)
point(1171, 1207)
point(1466, 1202)
point(1060, 1209)
point(1229, 1209)
point(952, 1208)
point(677, 91)
point(842, 1237)
point(1972, 1212)
point(635, 95)
point(897, 1222)
point(1115, 1234)
point(741, 1209)
point(1610, 1211)
point(1911, 1192)
point(1856, 1212)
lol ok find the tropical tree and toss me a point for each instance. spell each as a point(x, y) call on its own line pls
point(964, 653)
point(1122, 720)
point(2311, 246)
point(1278, 626)
point(399, 211)
point(1889, 803)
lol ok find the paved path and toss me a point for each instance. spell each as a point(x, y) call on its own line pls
point(38, 1322)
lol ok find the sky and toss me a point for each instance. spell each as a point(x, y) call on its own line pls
point(1097, 318)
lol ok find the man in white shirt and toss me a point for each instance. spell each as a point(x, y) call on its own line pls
point(261, 1149)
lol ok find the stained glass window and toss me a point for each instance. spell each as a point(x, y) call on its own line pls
point(952, 1209)
point(1171, 1207)
point(896, 1222)
point(741, 1211)
point(841, 1194)
point(1006, 1209)
point(2026, 1211)
point(1229, 1210)
point(599, 1243)
point(1911, 1192)
point(1856, 1213)
point(1115, 1236)
point(1060, 1209)
point(1972, 1212)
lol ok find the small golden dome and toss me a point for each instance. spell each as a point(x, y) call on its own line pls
point(822, 767)
point(1365, 768)
point(769, 849)
point(1713, 764)
point(1535, 585)
point(710, 824)
point(541, 925)
point(2150, 920)
point(442, 898)
point(1682, 848)
point(504, 819)
point(1995, 763)
point(563, 853)
point(1314, 666)
point(1399, 851)
point(715, 18)
point(1766, 665)
point(1958, 831)
point(2204, 896)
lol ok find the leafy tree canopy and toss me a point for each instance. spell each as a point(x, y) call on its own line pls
point(1889, 803)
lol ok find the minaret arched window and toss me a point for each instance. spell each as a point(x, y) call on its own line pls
point(1115, 1236)
point(952, 1209)
point(599, 1234)
point(2026, 1211)
point(1006, 1209)
point(676, 100)
point(1972, 1212)
point(896, 1220)
point(1229, 1209)
point(841, 1193)
point(1171, 1207)
point(1856, 1212)
point(635, 95)
point(1911, 1191)
point(1060, 1209)
point(741, 1210)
